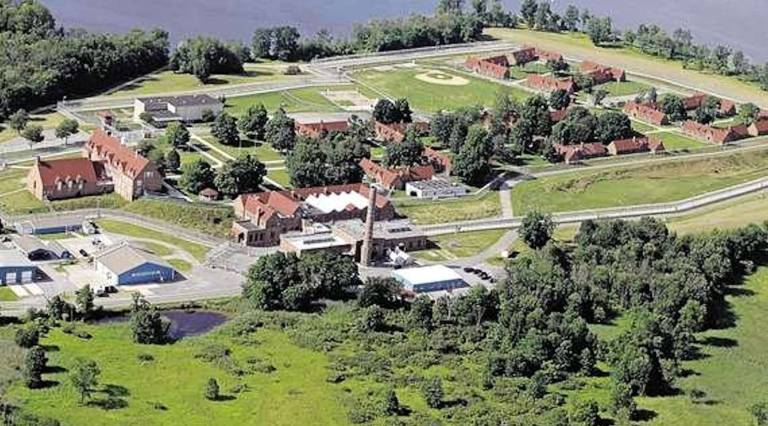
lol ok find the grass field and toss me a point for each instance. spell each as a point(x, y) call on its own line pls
point(674, 141)
point(463, 244)
point(180, 265)
point(521, 72)
point(623, 88)
point(637, 185)
point(579, 47)
point(47, 121)
point(280, 176)
point(170, 82)
point(128, 229)
point(467, 208)
point(641, 127)
point(729, 215)
point(169, 390)
point(307, 99)
point(431, 97)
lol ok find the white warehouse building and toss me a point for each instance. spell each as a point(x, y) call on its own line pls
point(427, 279)
point(186, 108)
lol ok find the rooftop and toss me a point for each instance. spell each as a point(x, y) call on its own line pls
point(123, 257)
point(14, 258)
point(185, 100)
point(427, 274)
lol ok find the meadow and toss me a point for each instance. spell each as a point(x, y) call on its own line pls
point(467, 208)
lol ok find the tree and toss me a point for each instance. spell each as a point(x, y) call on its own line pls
point(173, 160)
point(212, 390)
point(253, 122)
point(386, 112)
point(528, 9)
point(84, 376)
point(18, 120)
point(432, 390)
point(600, 30)
point(27, 337)
point(536, 229)
point(597, 97)
point(571, 18)
point(673, 106)
point(280, 131)
point(384, 292)
point(224, 129)
point(535, 114)
point(177, 135)
point(409, 152)
point(35, 362)
point(613, 125)
point(707, 111)
point(239, 176)
point(471, 164)
point(584, 413)
point(203, 56)
point(67, 128)
point(404, 110)
point(622, 403)
point(391, 403)
point(559, 99)
point(441, 127)
point(450, 6)
point(420, 315)
point(748, 113)
point(148, 327)
point(33, 133)
point(197, 176)
point(480, 9)
point(372, 320)
point(84, 301)
point(328, 162)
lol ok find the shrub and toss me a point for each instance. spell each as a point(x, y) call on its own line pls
point(27, 337)
point(212, 390)
point(145, 357)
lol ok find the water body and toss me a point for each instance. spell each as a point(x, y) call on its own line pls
point(738, 23)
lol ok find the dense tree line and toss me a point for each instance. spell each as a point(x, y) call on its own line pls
point(333, 160)
point(40, 64)
point(203, 56)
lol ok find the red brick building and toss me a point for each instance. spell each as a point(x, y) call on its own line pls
point(132, 174)
point(577, 152)
point(523, 56)
point(67, 178)
point(547, 83)
point(395, 132)
point(646, 112)
point(395, 178)
point(602, 74)
point(495, 67)
point(725, 108)
point(440, 162)
point(315, 130)
point(758, 128)
point(635, 145)
point(263, 217)
point(715, 135)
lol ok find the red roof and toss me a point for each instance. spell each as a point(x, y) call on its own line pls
point(110, 150)
point(315, 129)
point(389, 177)
point(645, 112)
point(496, 66)
point(65, 170)
point(715, 134)
point(524, 55)
point(550, 84)
point(601, 73)
point(759, 127)
point(583, 150)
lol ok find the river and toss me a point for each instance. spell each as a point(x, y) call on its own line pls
point(738, 23)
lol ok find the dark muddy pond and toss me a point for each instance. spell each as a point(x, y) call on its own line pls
point(183, 323)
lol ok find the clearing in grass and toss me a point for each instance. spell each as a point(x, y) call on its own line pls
point(458, 245)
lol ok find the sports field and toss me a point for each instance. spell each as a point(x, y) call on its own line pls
point(637, 185)
point(308, 99)
point(431, 89)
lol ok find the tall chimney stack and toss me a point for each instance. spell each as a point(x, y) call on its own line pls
point(367, 250)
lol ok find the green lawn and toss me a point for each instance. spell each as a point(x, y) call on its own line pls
point(47, 121)
point(466, 208)
point(25, 203)
point(430, 97)
point(623, 88)
point(637, 185)
point(169, 389)
point(260, 150)
point(641, 127)
point(7, 295)
point(169, 81)
point(676, 141)
point(519, 73)
point(463, 244)
point(157, 248)
point(307, 99)
point(180, 265)
point(280, 176)
point(123, 228)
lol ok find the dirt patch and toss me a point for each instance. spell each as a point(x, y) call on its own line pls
point(349, 100)
point(439, 77)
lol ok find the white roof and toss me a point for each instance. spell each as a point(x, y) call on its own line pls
point(123, 257)
point(328, 203)
point(427, 274)
point(13, 258)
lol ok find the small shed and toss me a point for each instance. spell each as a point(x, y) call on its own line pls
point(123, 264)
point(15, 268)
point(429, 278)
point(208, 194)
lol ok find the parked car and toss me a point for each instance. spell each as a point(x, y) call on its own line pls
point(83, 253)
point(110, 289)
point(101, 292)
point(469, 270)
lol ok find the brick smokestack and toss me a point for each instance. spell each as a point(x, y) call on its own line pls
point(367, 250)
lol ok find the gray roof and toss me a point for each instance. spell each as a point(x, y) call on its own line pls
point(185, 100)
point(382, 229)
point(29, 244)
point(436, 184)
point(12, 258)
point(123, 257)
point(71, 222)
